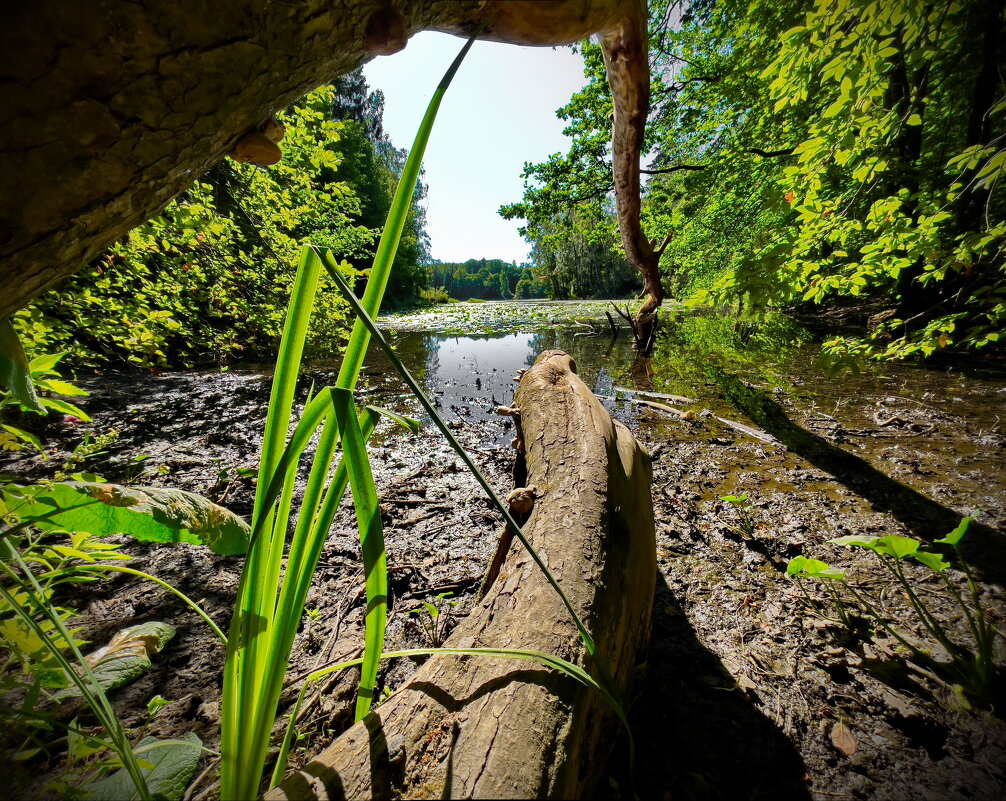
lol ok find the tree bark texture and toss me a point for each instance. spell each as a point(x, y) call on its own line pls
point(111, 109)
point(477, 727)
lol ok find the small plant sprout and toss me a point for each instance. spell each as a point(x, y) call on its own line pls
point(436, 618)
point(155, 705)
point(745, 521)
point(313, 614)
point(800, 567)
point(973, 670)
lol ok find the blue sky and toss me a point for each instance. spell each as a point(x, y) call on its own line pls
point(498, 114)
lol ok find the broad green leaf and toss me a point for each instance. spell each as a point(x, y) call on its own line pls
point(172, 764)
point(66, 408)
point(126, 657)
point(853, 540)
point(898, 547)
point(45, 363)
point(15, 373)
point(149, 514)
point(931, 560)
point(814, 568)
point(955, 536)
point(62, 388)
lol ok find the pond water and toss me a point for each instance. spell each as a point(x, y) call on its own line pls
point(952, 416)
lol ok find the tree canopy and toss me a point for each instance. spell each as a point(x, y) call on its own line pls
point(839, 151)
point(208, 279)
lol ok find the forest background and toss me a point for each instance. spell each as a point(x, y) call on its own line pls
point(844, 153)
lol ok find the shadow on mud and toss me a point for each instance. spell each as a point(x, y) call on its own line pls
point(984, 547)
point(698, 734)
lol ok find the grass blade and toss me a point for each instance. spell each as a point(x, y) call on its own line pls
point(397, 215)
point(375, 559)
point(249, 651)
point(413, 385)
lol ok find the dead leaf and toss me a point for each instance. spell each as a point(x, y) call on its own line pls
point(842, 739)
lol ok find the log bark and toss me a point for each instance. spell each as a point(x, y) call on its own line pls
point(473, 727)
point(110, 110)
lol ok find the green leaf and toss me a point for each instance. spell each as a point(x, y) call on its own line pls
point(80, 746)
point(21, 434)
point(66, 408)
point(814, 568)
point(853, 540)
point(62, 388)
point(931, 560)
point(914, 119)
point(172, 766)
point(15, 372)
point(148, 514)
point(405, 422)
point(126, 657)
point(45, 363)
point(898, 547)
point(955, 536)
point(375, 559)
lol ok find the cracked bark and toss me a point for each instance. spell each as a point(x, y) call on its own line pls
point(472, 727)
point(110, 110)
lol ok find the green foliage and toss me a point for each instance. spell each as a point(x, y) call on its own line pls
point(271, 600)
point(168, 769)
point(810, 151)
point(745, 519)
point(434, 296)
point(42, 661)
point(18, 392)
point(207, 280)
point(373, 166)
point(434, 617)
point(149, 514)
point(484, 279)
point(975, 670)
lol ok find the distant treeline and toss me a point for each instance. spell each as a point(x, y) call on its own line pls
point(489, 279)
point(586, 273)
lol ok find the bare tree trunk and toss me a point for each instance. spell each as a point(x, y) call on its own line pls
point(110, 110)
point(474, 727)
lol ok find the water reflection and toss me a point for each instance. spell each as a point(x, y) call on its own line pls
point(468, 377)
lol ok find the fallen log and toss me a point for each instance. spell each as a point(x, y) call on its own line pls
point(474, 727)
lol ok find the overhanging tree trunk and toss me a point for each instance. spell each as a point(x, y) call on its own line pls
point(479, 727)
point(110, 110)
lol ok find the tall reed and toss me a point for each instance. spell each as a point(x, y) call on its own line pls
point(270, 600)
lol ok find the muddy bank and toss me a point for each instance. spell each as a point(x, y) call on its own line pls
point(747, 692)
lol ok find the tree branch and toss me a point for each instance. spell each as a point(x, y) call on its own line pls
point(765, 154)
point(771, 154)
point(675, 168)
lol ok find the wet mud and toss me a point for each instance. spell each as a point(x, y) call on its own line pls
point(748, 691)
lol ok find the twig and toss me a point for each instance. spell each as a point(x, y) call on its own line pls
point(611, 322)
point(757, 433)
point(661, 395)
point(663, 407)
